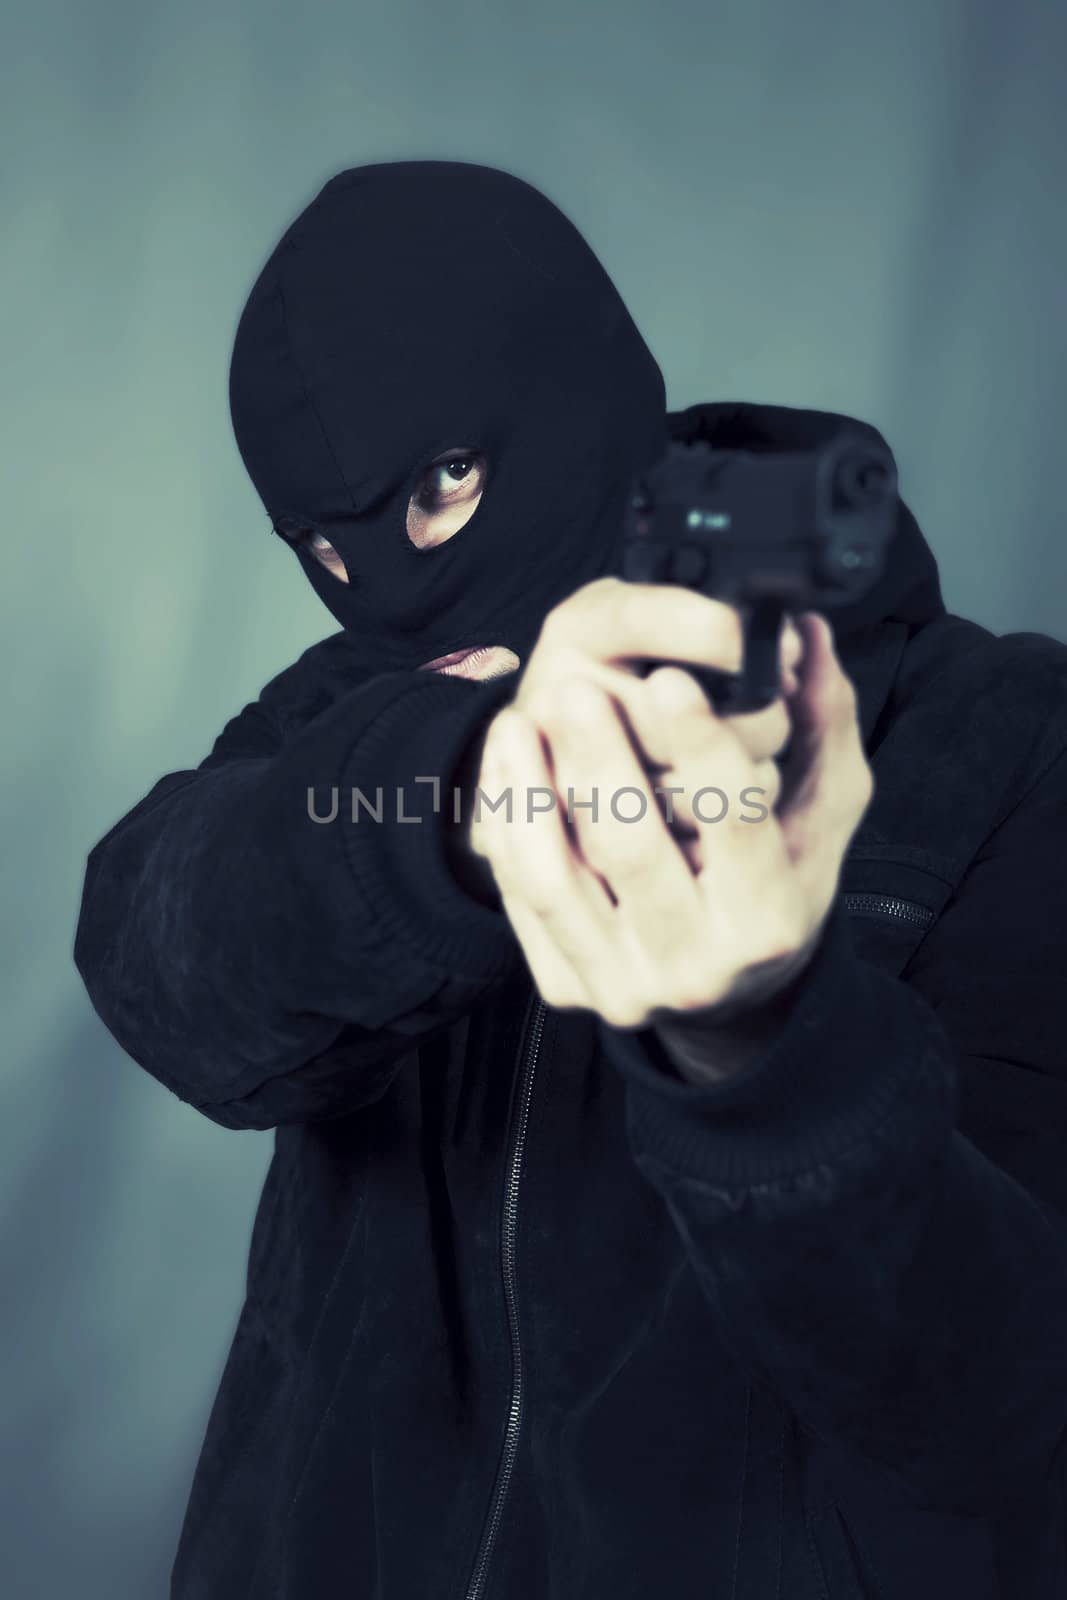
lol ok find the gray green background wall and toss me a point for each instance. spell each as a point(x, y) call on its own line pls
point(850, 206)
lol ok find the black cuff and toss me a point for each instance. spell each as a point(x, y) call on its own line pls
point(400, 862)
point(852, 1042)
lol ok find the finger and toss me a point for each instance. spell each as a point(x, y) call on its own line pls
point(729, 802)
point(702, 795)
point(654, 939)
point(790, 655)
point(766, 732)
point(512, 766)
point(557, 981)
point(751, 903)
point(824, 696)
point(712, 777)
point(609, 805)
point(690, 812)
point(826, 780)
point(669, 705)
point(614, 622)
point(530, 852)
point(746, 880)
point(668, 712)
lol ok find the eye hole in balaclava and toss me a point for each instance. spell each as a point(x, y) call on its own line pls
point(444, 501)
point(436, 386)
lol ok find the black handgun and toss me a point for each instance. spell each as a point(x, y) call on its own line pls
point(767, 532)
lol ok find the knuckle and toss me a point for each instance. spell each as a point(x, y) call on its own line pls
point(545, 702)
point(492, 749)
point(561, 633)
point(620, 1013)
point(672, 688)
point(569, 615)
point(557, 624)
point(561, 996)
point(546, 888)
point(685, 998)
point(584, 700)
point(779, 933)
point(864, 787)
point(856, 777)
point(765, 739)
point(769, 788)
point(684, 985)
point(846, 698)
point(608, 589)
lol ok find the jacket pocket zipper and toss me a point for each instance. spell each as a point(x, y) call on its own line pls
point(887, 905)
point(530, 1047)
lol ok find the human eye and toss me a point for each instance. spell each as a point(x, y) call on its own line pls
point(317, 545)
point(455, 475)
point(446, 496)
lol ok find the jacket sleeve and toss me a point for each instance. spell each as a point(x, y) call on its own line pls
point(899, 1283)
point(268, 967)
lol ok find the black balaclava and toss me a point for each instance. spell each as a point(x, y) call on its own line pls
point(416, 306)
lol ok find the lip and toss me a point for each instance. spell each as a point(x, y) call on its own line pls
point(454, 658)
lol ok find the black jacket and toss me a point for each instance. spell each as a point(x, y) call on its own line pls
point(526, 1316)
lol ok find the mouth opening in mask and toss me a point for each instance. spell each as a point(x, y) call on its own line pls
point(477, 661)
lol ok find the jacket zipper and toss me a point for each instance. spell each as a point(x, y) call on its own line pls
point(530, 1047)
point(887, 905)
point(529, 1050)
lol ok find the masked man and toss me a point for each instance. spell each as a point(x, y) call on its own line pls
point(663, 1202)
